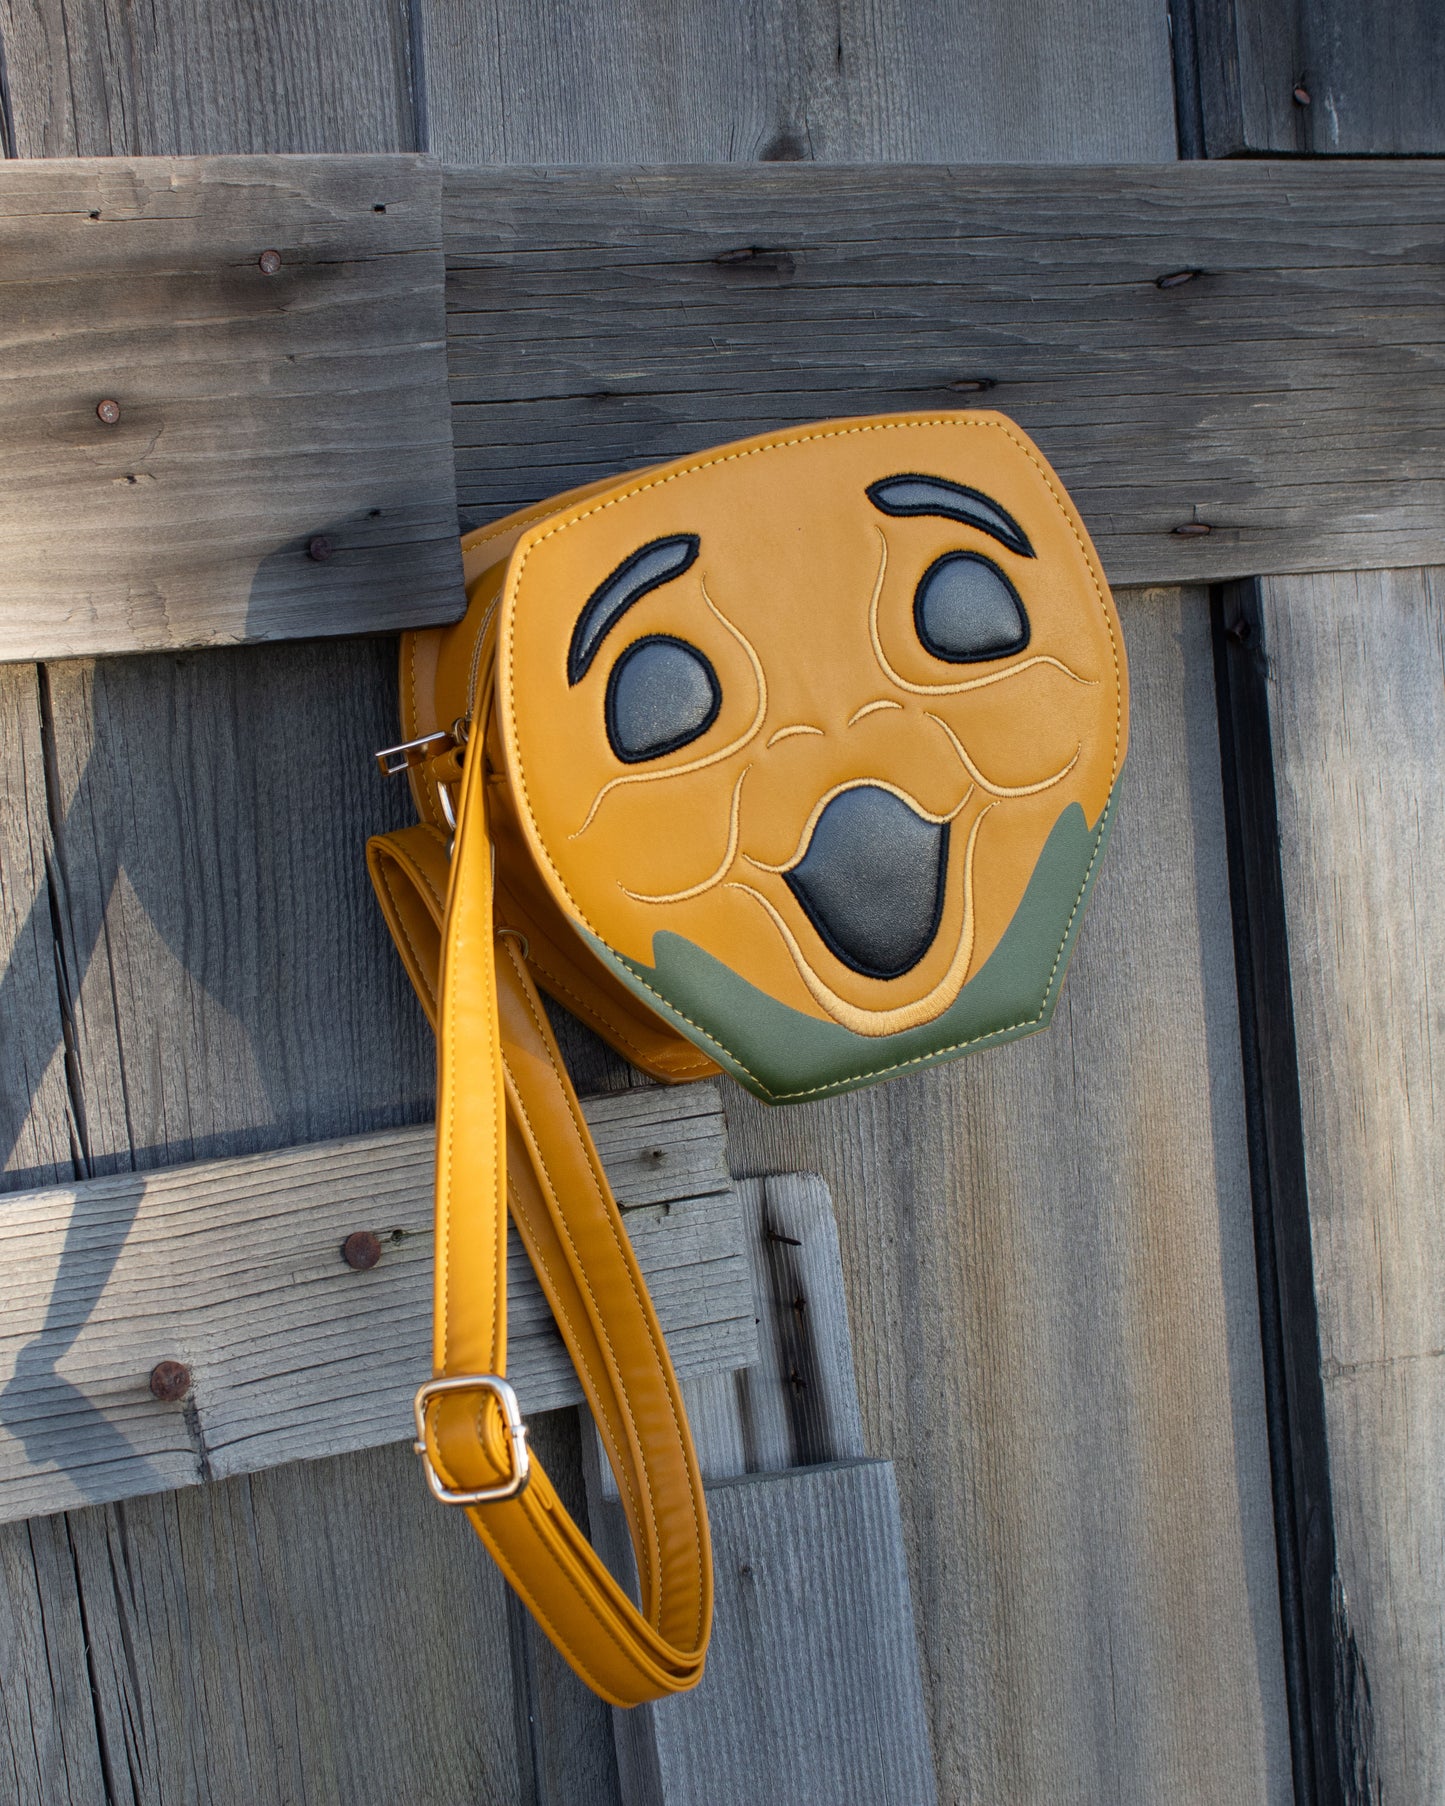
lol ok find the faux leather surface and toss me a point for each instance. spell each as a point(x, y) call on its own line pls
point(805, 598)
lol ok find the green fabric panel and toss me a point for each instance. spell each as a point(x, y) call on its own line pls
point(785, 1056)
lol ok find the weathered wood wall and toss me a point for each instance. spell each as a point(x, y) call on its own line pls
point(157, 812)
point(1277, 406)
point(1357, 700)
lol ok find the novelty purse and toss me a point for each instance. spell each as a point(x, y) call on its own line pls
point(796, 759)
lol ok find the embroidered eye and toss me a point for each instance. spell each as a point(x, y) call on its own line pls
point(965, 609)
point(661, 694)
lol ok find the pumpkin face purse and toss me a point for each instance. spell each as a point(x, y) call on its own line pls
point(796, 759)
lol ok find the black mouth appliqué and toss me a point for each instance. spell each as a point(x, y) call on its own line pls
point(872, 881)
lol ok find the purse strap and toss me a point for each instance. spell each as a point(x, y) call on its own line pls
point(511, 1134)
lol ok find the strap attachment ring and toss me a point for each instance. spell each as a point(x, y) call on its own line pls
point(506, 1397)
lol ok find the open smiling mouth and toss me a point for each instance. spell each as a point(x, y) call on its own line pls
point(872, 880)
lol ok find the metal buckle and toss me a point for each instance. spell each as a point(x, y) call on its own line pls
point(395, 759)
point(516, 1431)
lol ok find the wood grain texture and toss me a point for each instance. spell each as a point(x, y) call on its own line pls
point(1288, 397)
point(233, 1268)
point(1357, 699)
point(259, 414)
point(1051, 1283)
point(812, 1692)
point(34, 1103)
point(233, 985)
point(797, 1406)
point(48, 1750)
point(731, 81)
point(1318, 78)
point(102, 78)
point(794, 1403)
point(279, 1638)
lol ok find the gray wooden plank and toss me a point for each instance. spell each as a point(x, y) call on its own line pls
point(48, 1750)
point(795, 1406)
point(1357, 706)
point(34, 1102)
point(233, 1268)
point(280, 1638)
point(232, 982)
point(265, 1008)
point(189, 77)
point(708, 81)
point(1319, 78)
point(795, 1402)
point(1288, 397)
point(281, 462)
point(1049, 1257)
point(812, 1692)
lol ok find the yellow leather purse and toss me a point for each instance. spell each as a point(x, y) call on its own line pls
point(796, 759)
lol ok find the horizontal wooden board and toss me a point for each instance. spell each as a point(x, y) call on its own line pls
point(233, 1267)
point(1290, 396)
point(259, 415)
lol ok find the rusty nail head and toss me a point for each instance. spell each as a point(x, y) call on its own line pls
point(270, 262)
point(170, 1380)
point(108, 411)
point(319, 549)
point(1239, 632)
point(1191, 529)
point(361, 1249)
point(1301, 95)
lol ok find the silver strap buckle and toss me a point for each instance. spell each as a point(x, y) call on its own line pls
point(500, 1390)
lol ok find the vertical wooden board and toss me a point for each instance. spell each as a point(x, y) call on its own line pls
point(49, 1755)
point(1357, 705)
point(1318, 77)
point(811, 1693)
point(35, 1146)
point(566, 1736)
point(722, 81)
point(206, 77)
point(1049, 1253)
point(234, 985)
point(276, 1639)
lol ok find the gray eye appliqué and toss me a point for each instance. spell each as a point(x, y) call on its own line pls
point(965, 609)
point(661, 694)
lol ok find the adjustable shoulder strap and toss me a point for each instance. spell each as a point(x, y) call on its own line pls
point(510, 1132)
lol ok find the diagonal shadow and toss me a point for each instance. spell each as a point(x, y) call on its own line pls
point(233, 791)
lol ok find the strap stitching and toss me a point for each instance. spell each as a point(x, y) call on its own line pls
point(584, 1141)
point(621, 1466)
point(1065, 509)
point(384, 875)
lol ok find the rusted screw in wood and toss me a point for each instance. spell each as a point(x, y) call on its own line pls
point(1191, 529)
point(108, 411)
point(361, 1249)
point(270, 262)
point(1176, 278)
point(170, 1380)
point(319, 549)
point(1239, 632)
point(1301, 95)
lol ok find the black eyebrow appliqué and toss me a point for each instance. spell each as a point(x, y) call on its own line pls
point(656, 563)
point(910, 493)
